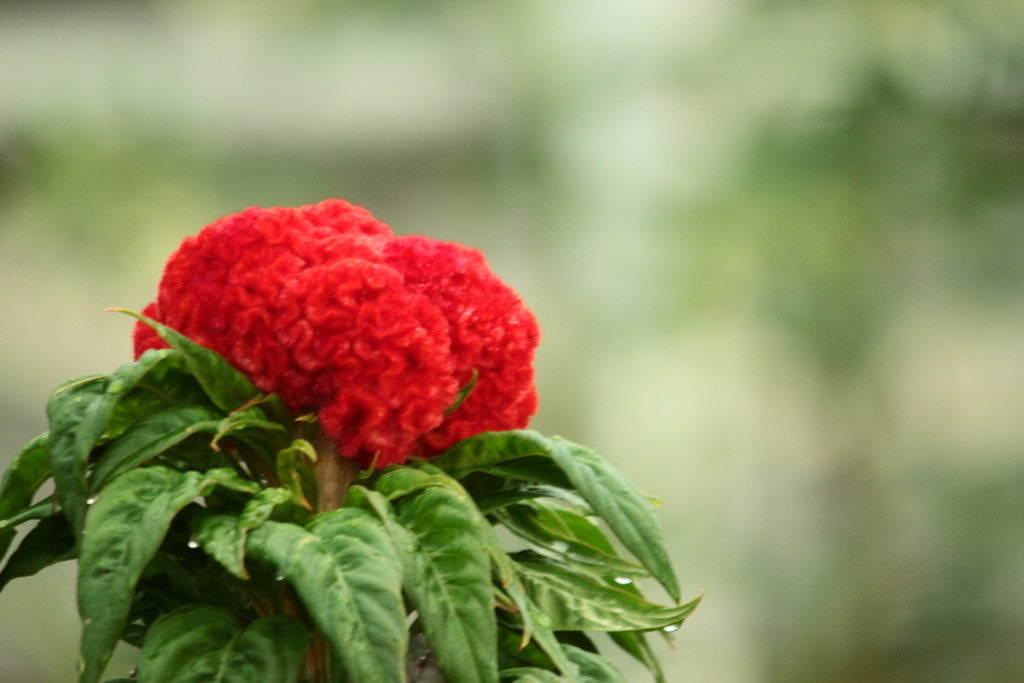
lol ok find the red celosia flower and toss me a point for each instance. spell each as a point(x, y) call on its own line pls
point(376, 333)
point(491, 331)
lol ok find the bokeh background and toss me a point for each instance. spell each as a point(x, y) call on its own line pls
point(776, 249)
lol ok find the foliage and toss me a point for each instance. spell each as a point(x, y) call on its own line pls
point(188, 498)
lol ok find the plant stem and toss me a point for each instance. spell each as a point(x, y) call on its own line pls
point(318, 661)
point(333, 472)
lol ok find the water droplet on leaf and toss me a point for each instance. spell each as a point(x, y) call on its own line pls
point(91, 501)
point(623, 581)
point(671, 628)
point(192, 543)
point(279, 577)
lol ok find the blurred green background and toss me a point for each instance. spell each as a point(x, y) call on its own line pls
point(776, 249)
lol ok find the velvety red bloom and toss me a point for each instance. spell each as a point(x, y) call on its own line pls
point(322, 305)
point(491, 331)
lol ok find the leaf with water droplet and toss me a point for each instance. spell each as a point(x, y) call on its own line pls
point(123, 531)
point(79, 412)
point(575, 602)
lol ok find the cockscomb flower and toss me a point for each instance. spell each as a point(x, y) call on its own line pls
point(376, 333)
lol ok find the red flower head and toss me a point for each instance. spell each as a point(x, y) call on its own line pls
point(323, 306)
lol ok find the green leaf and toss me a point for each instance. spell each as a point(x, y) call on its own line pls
point(206, 644)
point(448, 580)
point(446, 575)
point(464, 393)
point(512, 654)
point(79, 413)
point(401, 480)
point(501, 563)
point(576, 603)
point(530, 675)
point(47, 507)
point(513, 595)
point(223, 536)
point(593, 667)
point(292, 471)
point(136, 404)
point(151, 436)
point(74, 430)
point(489, 449)
point(227, 387)
point(173, 384)
point(525, 454)
point(563, 531)
point(538, 469)
point(49, 543)
point(20, 482)
point(347, 573)
point(123, 531)
point(496, 500)
point(251, 420)
point(544, 636)
point(635, 643)
point(626, 510)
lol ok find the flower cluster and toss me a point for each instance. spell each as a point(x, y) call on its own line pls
point(376, 333)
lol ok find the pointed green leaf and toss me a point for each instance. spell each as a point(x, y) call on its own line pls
point(544, 636)
point(47, 507)
point(538, 469)
point(515, 597)
point(251, 420)
point(464, 393)
point(79, 413)
point(227, 387)
point(496, 500)
point(173, 384)
point(446, 575)
point(514, 491)
point(166, 384)
point(576, 603)
point(524, 454)
point(490, 448)
point(206, 644)
point(292, 470)
point(626, 510)
point(68, 408)
point(123, 531)
point(401, 480)
point(563, 531)
point(223, 536)
point(47, 544)
point(593, 667)
point(21, 481)
point(448, 579)
point(347, 573)
point(635, 643)
point(501, 563)
point(151, 436)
